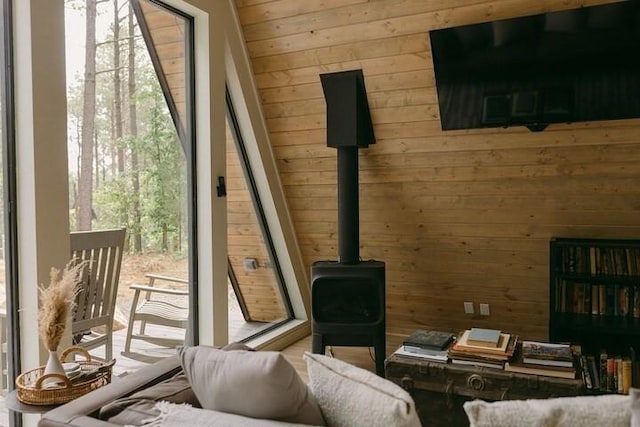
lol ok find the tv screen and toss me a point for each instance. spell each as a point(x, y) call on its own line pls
point(568, 66)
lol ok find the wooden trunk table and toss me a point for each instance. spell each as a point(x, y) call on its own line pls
point(440, 389)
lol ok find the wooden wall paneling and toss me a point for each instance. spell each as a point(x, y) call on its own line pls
point(457, 215)
point(313, 19)
point(284, 8)
point(398, 63)
point(365, 49)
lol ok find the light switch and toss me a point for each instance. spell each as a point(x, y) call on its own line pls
point(484, 309)
point(468, 308)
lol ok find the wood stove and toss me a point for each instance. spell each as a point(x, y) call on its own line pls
point(348, 295)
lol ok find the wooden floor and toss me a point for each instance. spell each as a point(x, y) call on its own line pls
point(359, 356)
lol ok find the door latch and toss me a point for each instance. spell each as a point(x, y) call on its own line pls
point(221, 187)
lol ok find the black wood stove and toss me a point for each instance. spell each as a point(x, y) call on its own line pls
point(348, 295)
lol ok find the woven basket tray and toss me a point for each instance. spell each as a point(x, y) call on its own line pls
point(32, 391)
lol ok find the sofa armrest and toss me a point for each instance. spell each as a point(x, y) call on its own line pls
point(82, 412)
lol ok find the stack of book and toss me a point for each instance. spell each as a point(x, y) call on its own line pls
point(538, 358)
point(489, 348)
point(429, 345)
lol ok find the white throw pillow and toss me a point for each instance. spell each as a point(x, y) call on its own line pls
point(582, 411)
point(352, 397)
point(260, 384)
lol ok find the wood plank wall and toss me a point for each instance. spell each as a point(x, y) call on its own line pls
point(457, 215)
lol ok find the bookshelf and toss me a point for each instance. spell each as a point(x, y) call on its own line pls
point(594, 295)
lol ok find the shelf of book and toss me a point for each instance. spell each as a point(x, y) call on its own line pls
point(594, 293)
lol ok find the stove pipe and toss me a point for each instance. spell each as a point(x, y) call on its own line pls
point(349, 127)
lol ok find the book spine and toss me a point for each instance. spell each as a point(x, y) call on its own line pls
point(586, 375)
point(636, 302)
point(603, 370)
point(611, 375)
point(586, 306)
point(623, 300)
point(602, 299)
point(595, 299)
point(593, 370)
point(619, 386)
point(610, 300)
point(626, 376)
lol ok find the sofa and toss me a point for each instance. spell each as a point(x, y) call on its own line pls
point(205, 386)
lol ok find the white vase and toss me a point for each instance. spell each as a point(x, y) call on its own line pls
point(53, 366)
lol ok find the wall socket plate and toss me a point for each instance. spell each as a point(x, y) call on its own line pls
point(484, 309)
point(468, 308)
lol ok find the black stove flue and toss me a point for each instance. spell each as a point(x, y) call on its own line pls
point(348, 295)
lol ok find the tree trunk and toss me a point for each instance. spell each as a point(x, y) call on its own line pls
point(117, 85)
point(117, 110)
point(85, 180)
point(136, 221)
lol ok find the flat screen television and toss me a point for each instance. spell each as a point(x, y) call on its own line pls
point(568, 66)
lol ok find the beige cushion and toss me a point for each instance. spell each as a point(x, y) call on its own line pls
point(582, 411)
point(351, 397)
point(260, 384)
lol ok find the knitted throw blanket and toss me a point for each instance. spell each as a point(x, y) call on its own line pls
point(174, 415)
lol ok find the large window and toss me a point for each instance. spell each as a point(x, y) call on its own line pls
point(255, 272)
point(257, 301)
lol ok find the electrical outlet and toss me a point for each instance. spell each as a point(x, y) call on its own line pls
point(468, 308)
point(484, 309)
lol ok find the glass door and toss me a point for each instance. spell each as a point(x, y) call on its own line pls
point(130, 143)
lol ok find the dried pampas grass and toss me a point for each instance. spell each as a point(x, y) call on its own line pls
point(57, 301)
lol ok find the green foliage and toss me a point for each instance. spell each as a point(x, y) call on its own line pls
point(163, 178)
point(161, 165)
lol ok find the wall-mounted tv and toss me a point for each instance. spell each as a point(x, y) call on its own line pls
point(568, 66)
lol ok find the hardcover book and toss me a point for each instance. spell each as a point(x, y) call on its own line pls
point(516, 364)
point(482, 363)
point(437, 340)
point(526, 368)
point(424, 350)
point(484, 337)
point(441, 358)
point(547, 351)
point(462, 344)
point(542, 353)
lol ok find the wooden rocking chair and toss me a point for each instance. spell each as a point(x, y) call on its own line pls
point(92, 324)
point(160, 306)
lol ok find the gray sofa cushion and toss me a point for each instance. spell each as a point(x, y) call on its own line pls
point(134, 409)
point(254, 384)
